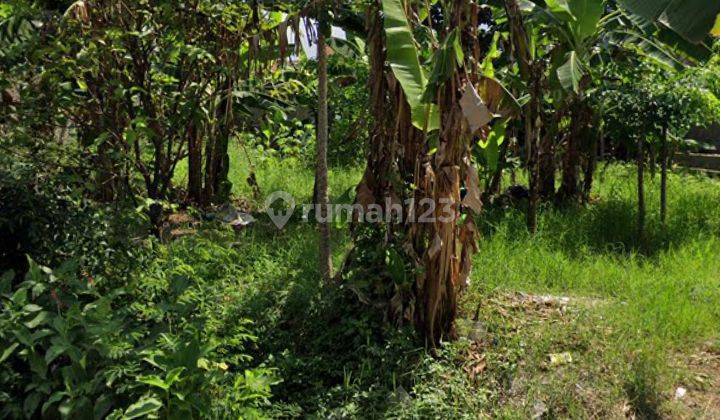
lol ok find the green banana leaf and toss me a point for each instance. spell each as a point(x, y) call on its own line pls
point(580, 16)
point(692, 19)
point(587, 14)
point(491, 146)
point(571, 72)
point(405, 63)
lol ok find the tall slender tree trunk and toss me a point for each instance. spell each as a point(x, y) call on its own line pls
point(641, 188)
point(590, 166)
point(106, 174)
point(222, 187)
point(209, 175)
point(532, 142)
point(195, 164)
point(663, 175)
point(321, 174)
point(546, 164)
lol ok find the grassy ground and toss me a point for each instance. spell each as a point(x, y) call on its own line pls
point(640, 319)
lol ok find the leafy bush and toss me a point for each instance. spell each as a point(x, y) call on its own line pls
point(638, 101)
point(158, 345)
point(350, 119)
point(283, 137)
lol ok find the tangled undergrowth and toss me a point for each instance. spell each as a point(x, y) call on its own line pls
point(223, 322)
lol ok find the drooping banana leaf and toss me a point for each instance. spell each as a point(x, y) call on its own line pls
point(560, 9)
point(580, 18)
point(444, 63)
point(692, 19)
point(498, 99)
point(491, 145)
point(571, 72)
point(404, 60)
point(656, 41)
point(587, 14)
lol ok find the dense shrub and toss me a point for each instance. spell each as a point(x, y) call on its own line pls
point(350, 117)
point(45, 213)
point(163, 342)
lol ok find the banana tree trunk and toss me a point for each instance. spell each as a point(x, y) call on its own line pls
point(400, 172)
point(451, 243)
point(570, 191)
point(546, 156)
point(591, 157)
point(321, 174)
point(546, 168)
point(532, 72)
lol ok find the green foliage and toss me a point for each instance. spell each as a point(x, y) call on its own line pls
point(282, 137)
point(693, 19)
point(570, 73)
point(45, 214)
point(205, 326)
point(162, 343)
point(640, 100)
point(349, 108)
point(404, 59)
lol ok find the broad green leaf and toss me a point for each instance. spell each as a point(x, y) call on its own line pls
point(405, 63)
point(716, 28)
point(570, 73)
point(31, 404)
point(445, 61)
point(174, 375)
point(37, 364)
point(487, 66)
point(587, 14)
point(6, 10)
point(155, 381)
point(39, 319)
point(54, 351)
point(8, 351)
point(692, 19)
point(142, 408)
point(561, 10)
point(102, 405)
point(6, 281)
point(54, 398)
point(20, 297)
point(491, 145)
point(31, 307)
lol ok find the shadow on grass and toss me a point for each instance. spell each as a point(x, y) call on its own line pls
point(641, 388)
point(334, 355)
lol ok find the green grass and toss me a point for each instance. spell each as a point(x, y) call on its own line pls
point(290, 175)
point(667, 287)
point(653, 303)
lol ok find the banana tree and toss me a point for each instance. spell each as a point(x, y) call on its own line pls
point(574, 36)
point(574, 28)
point(430, 104)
